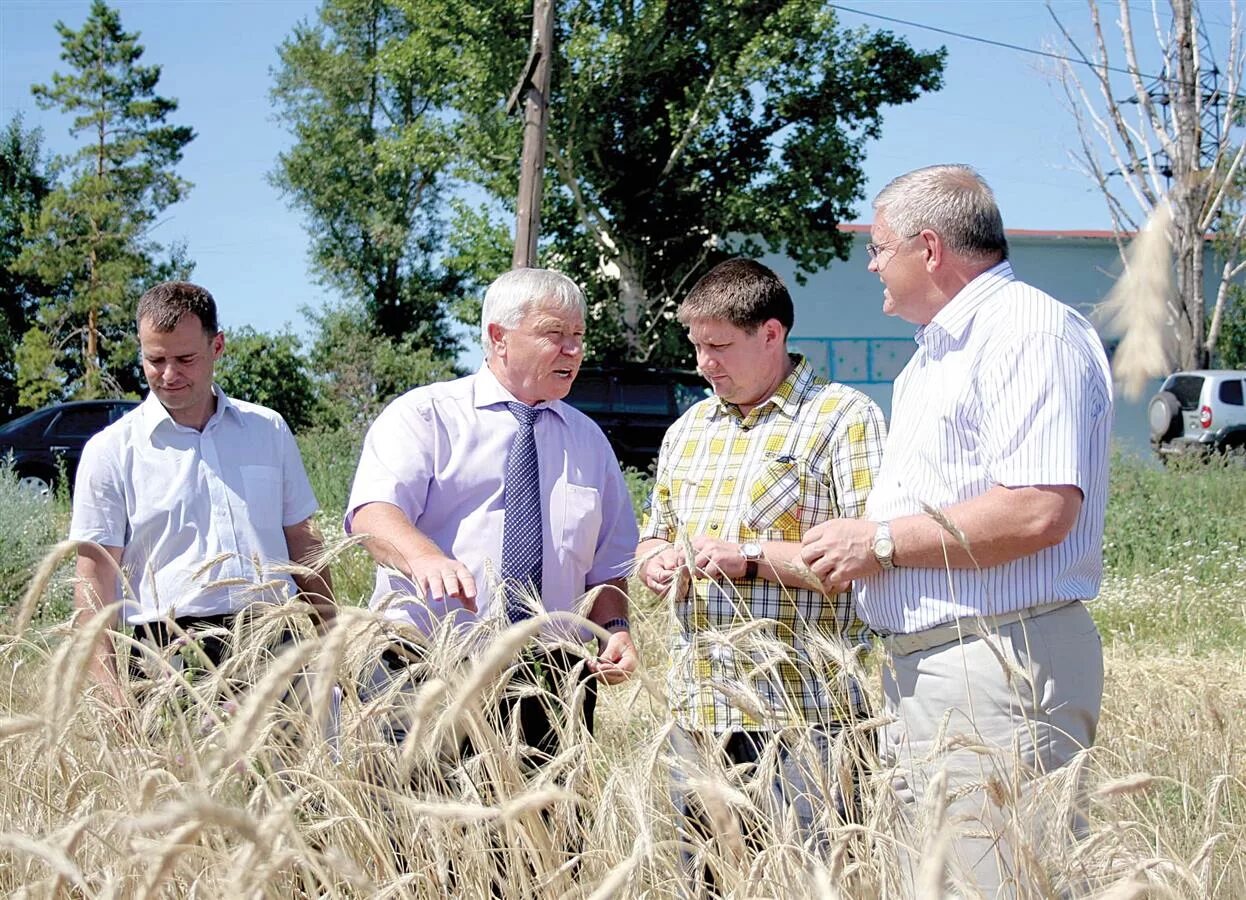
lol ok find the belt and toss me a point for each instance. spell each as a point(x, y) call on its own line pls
point(966, 627)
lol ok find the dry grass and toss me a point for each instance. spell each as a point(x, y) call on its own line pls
point(211, 790)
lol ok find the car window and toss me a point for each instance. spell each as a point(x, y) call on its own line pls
point(644, 398)
point(1231, 392)
point(688, 396)
point(79, 422)
point(21, 421)
point(120, 409)
point(1186, 388)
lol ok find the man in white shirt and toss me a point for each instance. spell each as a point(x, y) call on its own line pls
point(194, 497)
point(983, 535)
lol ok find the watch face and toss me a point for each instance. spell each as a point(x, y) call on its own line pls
point(884, 547)
point(750, 550)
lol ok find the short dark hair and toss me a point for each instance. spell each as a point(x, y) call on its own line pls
point(740, 291)
point(165, 304)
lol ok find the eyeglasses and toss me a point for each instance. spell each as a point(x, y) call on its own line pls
point(875, 249)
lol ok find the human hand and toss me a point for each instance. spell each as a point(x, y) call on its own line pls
point(441, 579)
point(839, 551)
point(717, 558)
point(617, 660)
point(660, 571)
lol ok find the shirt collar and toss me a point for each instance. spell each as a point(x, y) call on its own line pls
point(787, 397)
point(152, 413)
point(488, 391)
point(955, 318)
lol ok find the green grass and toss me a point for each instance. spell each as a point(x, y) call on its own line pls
point(1187, 517)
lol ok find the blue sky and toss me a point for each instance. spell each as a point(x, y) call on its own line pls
point(998, 111)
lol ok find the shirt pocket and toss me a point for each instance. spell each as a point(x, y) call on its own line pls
point(261, 487)
point(581, 525)
point(774, 499)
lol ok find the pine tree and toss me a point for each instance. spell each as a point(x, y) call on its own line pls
point(24, 183)
point(92, 232)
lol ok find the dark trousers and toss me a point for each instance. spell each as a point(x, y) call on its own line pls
point(212, 647)
point(554, 672)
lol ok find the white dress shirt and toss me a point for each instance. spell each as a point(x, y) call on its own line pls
point(1007, 387)
point(198, 514)
point(438, 453)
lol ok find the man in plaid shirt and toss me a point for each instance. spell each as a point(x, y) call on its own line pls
point(762, 653)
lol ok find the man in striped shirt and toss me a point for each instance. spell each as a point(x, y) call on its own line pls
point(761, 656)
point(983, 536)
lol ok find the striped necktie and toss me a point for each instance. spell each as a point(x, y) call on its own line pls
point(521, 526)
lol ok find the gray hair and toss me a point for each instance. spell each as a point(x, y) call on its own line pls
point(513, 294)
point(951, 200)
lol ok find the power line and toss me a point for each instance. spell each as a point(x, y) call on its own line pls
point(1004, 44)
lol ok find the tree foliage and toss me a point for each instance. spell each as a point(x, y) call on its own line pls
point(683, 133)
point(24, 183)
point(269, 369)
point(90, 238)
point(363, 90)
point(357, 373)
point(1167, 132)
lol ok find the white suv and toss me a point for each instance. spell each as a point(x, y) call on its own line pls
point(1198, 412)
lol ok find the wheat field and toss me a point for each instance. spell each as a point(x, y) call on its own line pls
point(257, 781)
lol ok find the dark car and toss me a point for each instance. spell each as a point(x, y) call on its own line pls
point(41, 442)
point(635, 404)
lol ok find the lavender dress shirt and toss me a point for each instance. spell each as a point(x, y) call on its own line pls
point(438, 453)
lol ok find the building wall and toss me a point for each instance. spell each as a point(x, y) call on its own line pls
point(840, 325)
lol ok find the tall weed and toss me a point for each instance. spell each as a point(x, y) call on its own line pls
point(29, 525)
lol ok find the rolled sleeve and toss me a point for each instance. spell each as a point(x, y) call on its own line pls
point(856, 453)
point(658, 514)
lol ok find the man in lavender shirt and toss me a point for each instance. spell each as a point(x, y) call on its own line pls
point(430, 489)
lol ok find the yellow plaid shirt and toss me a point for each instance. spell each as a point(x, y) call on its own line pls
point(754, 654)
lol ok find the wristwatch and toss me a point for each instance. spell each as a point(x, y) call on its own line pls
point(751, 551)
point(884, 546)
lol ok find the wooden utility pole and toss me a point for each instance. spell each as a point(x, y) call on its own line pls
point(533, 91)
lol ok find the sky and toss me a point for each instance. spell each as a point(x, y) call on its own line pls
point(999, 111)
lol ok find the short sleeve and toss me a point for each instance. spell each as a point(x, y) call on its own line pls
point(1040, 398)
point(99, 504)
point(395, 465)
point(298, 500)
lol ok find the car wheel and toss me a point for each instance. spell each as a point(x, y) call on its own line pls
point(35, 484)
point(1164, 416)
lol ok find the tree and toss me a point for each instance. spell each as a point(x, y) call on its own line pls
point(363, 91)
point(91, 235)
point(1231, 345)
point(24, 183)
point(1176, 137)
point(269, 369)
point(357, 373)
point(683, 133)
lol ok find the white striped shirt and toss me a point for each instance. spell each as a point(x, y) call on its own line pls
point(1008, 387)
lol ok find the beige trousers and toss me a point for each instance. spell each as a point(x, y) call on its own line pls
point(997, 716)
